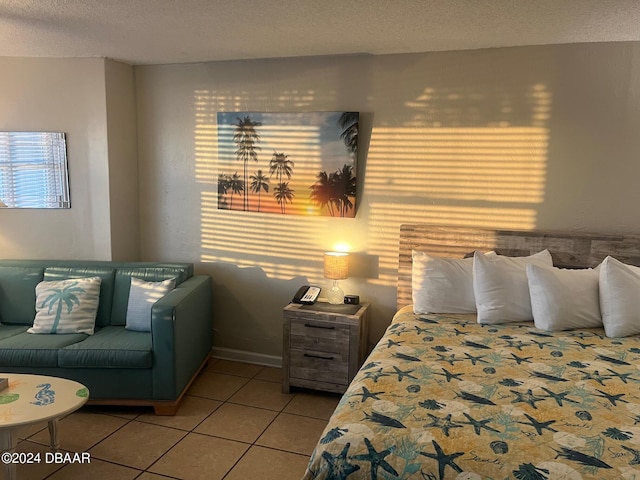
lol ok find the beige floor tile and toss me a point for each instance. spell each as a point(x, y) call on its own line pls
point(237, 422)
point(35, 471)
point(200, 457)
point(137, 444)
point(318, 405)
point(28, 430)
point(96, 470)
point(205, 439)
point(262, 394)
point(240, 369)
point(293, 433)
point(80, 431)
point(268, 464)
point(216, 386)
point(192, 411)
point(129, 413)
point(152, 476)
point(270, 374)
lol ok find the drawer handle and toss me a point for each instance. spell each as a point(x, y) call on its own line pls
point(326, 327)
point(318, 356)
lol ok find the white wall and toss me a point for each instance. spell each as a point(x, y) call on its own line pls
point(536, 137)
point(70, 95)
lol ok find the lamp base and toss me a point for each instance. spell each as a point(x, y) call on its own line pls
point(335, 295)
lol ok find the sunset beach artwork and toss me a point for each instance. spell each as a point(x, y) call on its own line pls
point(288, 163)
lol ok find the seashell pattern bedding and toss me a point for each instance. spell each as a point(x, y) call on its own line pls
point(442, 397)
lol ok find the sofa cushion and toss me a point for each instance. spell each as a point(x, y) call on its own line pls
point(28, 350)
point(109, 347)
point(107, 276)
point(7, 331)
point(18, 293)
point(148, 274)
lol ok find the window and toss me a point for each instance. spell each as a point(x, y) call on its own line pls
point(33, 170)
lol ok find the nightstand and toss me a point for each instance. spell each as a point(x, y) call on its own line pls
point(323, 345)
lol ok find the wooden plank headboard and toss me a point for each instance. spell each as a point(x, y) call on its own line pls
point(572, 250)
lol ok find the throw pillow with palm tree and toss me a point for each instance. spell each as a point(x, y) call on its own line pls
point(66, 306)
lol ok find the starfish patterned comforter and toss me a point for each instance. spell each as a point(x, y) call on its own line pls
point(442, 397)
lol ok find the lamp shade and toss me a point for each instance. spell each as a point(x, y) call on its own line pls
point(336, 265)
point(2, 204)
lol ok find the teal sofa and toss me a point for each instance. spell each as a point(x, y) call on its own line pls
point(119, 366)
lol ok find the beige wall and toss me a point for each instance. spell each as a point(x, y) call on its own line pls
point(123, 161)
point(72, 96)
point(537, 137)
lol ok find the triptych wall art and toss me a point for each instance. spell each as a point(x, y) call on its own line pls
point(288, 163)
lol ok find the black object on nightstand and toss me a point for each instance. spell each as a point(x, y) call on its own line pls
point(352, 299)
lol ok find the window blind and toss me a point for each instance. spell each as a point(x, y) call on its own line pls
point(33, 170)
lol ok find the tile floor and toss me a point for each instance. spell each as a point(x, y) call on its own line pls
point(234, 423)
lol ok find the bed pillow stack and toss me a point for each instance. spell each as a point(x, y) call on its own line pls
point(493, 285)
point(503, 289)
point(606, 296)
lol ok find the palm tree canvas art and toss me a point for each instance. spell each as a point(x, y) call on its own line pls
point(288, 163)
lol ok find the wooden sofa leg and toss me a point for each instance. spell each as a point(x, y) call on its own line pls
point(165, 408)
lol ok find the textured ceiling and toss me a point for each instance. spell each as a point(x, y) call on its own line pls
point(179, 31)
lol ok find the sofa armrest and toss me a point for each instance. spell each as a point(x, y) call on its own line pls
point(181, 331)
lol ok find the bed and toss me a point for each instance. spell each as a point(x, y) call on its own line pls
point(442, 396)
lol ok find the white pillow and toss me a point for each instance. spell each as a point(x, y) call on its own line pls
point(501, 288)
point(66, 306)
point(619, 298)
point(142, 296)
point(442, 285)
point(564, 299)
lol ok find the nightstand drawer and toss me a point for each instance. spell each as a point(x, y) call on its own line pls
point(321, 336)
point(319, 366)
point(323, 345)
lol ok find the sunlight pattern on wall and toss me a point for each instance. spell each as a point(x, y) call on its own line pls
point(455, 158)
point(283, 246)
point(465, 159)
point(501, 164)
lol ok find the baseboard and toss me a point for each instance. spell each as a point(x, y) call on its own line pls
point(246, 357)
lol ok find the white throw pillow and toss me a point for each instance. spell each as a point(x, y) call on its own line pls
point(564, 299)
point(442, 285)
point(142, 296)
point(619, 298)
point(66, 306)
point(501, 288)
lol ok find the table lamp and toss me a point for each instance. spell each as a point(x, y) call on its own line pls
point(2, 204)
point(336, 267)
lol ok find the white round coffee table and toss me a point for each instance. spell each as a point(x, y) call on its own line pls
point(35, 398)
